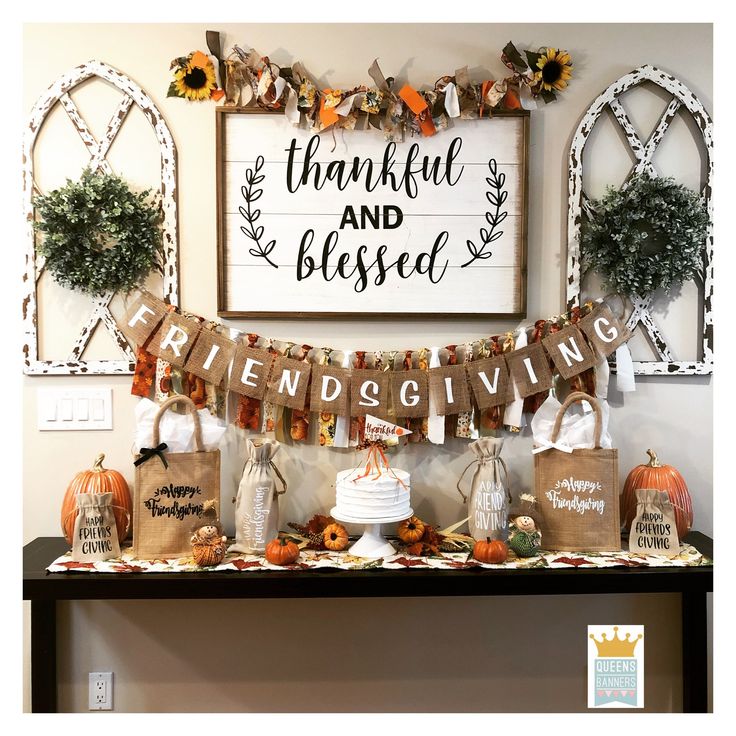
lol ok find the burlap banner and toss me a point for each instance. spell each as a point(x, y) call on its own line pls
point(448, 386)
point(250, 372)
point(330, 390)
point(288, 383)
point(482, 382)
point(210, 357)
point(489, 379)
point(410, 393)
point(369, 393)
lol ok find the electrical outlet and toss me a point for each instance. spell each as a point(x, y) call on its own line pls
point(100, 690)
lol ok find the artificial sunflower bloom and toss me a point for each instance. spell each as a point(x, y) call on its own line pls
point(194, 79)
point(554, 69)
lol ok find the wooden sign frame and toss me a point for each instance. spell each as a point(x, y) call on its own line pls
point(229, 310)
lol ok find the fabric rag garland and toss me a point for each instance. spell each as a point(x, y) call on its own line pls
point(250, 78)
point(433, 392)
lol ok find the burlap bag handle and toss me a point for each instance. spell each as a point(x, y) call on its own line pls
point(569, 401)
point(191, 409)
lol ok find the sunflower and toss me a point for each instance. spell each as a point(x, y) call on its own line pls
point(196, 79)
point(555, 69)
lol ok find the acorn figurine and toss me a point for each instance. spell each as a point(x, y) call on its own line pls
point(524, 537)
point(208, 541)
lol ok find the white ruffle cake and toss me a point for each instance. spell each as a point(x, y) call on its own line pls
point(372, 497)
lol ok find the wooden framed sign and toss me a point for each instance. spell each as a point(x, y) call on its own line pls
point(352, 226)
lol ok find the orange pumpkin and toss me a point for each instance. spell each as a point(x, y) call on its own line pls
point(411, 530)
point(97, 480)
point(492, 551)
point(335, 537)
point(663, 478)
point(282, 551)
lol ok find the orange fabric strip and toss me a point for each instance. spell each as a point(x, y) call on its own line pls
point(426, 124)
point(483, 89)
point(327, 116)
point(413, 99)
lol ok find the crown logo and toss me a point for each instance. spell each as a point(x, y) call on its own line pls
point(616, 647)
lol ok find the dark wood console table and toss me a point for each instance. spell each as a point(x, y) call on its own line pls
point(45, 589)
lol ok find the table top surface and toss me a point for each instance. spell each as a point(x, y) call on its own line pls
point(38, 584)
point(41, 585)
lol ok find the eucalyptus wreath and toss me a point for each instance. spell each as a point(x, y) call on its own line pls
point(647, 235)
point(98, 235)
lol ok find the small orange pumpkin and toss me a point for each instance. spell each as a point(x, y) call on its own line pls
point(97, 480)
point(282, 551)
point(411, 530)
point(492, 551)
point(335, 537)
point(663, 478)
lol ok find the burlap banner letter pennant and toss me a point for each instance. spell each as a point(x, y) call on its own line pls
point(330, 390)
point(288, 383)
point(410, 393)
point(174, 339)
point(604, 330)
point(210, 356)
point(250, 372)
point(529, 368)
point(448, 386)
point(369, 392)
point(489, 381)
point(569, 351)
point(143, 318)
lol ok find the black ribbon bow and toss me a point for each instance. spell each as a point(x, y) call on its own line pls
point(148, 452)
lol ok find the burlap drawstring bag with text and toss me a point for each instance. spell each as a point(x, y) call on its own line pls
point(171, 489)
point(654, 528)
point(577, 490)
point(257, 505)
point(95, 532)
point(489, 491)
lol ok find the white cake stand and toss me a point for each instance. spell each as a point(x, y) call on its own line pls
point(372, 544)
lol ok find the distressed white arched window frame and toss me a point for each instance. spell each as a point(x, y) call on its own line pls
point(58, 93)
point(579, 204)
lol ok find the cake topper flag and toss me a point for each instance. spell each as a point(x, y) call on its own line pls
point(377, 430)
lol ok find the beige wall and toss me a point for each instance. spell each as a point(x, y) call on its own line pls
point(153, 670)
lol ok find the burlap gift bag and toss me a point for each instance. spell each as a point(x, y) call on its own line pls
point(256, 505)
point(95, 531)
point(577, 490)
point(654, 529)
point(171, 489)
point(489, 491)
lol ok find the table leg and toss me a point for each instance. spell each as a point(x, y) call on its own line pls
point(43, 656)
point(694, 653)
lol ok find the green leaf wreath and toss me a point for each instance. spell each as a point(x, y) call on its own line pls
point(99, 236)
point(647, 235)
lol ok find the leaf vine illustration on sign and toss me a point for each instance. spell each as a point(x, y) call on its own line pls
point(424, 226)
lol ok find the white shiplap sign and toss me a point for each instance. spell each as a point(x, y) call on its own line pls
point(354, 225)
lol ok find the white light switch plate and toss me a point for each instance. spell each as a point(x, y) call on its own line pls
point(74, 408)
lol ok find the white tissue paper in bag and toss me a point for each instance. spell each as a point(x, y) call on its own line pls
point(176, 430)
point(577, 429)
